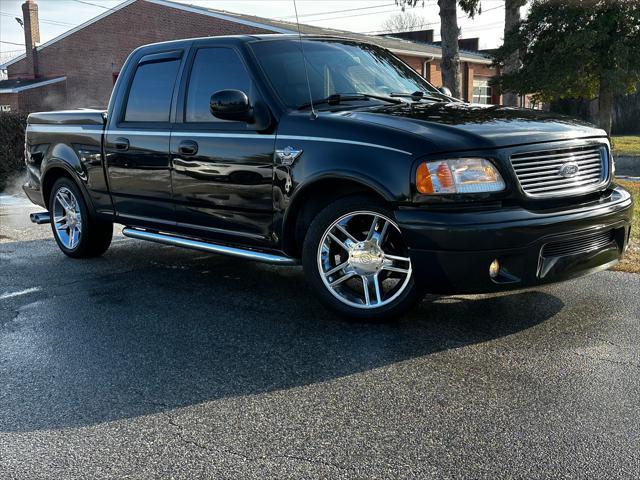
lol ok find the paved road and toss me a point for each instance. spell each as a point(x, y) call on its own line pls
point(158, 362)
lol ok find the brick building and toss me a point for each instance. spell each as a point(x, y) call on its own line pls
point(79, 67)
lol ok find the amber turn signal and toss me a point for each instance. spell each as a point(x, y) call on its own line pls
point(423, 179)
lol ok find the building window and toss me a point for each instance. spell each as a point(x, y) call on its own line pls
point(481, 91)
point(5, 108)
point(114, 76)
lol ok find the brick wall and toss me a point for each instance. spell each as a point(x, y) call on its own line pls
point(90, 56)
point(49, 97)
point(434, 73)
point(10, 99)
point(414, 62)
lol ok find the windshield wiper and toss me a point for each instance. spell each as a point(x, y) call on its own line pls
point(417, 96)
point(338, 98)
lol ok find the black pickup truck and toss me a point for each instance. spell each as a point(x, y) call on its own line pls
point(334, 154)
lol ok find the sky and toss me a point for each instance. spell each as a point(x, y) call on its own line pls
point(58, 16)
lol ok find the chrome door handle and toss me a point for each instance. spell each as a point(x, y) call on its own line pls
point(188, 147)
point(122, 144)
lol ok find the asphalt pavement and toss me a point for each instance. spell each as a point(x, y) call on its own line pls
point(156, 362)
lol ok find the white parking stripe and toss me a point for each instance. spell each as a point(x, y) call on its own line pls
point(17, 294)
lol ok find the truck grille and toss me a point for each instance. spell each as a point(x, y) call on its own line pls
point(579, 244)
point(560, 172)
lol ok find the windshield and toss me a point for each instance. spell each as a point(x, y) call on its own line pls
point(335, 67)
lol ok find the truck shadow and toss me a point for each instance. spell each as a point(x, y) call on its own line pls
point(149, 329)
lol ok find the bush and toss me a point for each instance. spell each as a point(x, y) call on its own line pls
point(12, 127)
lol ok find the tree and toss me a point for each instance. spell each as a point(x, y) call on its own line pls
point(402, 22)
point(512, 61)
point(579, 49)
point(449, 33)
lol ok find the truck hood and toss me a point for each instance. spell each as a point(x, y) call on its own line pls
point(459, 126)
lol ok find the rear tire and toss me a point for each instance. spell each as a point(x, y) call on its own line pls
point(77, 233)
point(356, 260)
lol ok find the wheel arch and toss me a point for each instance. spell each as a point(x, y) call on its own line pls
point(314, 195)
point(56, 169)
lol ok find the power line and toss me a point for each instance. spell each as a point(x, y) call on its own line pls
point(114, 9)
point(12, 43)
point(93, 4)
point(340, 11)
point(426, 24)
point(43, 20)
point(339, 17)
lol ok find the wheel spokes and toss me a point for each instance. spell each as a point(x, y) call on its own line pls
point(376, 285)
point(67, 220)
point(394, 263)
point(350, 237)
point(336, 269)
point(343, 278)
point(72, 237)
point(378, 230)
point(342, 257)
point(63, 201)
point(339, 242)
point(365, 286)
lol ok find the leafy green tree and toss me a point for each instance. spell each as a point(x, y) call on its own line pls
point(449, 33)
point(578, 49)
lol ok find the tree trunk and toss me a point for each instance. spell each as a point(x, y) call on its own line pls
point(450, 54)
point(512, 62)
point(605, 106)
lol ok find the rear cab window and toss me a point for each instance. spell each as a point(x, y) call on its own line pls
point(151, 91)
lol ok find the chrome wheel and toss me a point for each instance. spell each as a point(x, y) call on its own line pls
point(363, 260)
point(67, 218)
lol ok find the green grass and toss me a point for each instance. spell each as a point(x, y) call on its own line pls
point(631, 260)
point(626, 144)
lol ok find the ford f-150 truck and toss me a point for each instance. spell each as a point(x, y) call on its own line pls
point(334, 154)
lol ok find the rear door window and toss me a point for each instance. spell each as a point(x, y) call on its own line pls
point(151, 92)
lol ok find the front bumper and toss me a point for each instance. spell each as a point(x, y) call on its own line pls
point(451, 251)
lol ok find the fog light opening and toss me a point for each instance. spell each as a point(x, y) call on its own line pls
point(494, 268)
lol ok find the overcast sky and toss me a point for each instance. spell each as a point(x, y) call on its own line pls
point(58, 16)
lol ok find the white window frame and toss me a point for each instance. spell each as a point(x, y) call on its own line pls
point(482, 91)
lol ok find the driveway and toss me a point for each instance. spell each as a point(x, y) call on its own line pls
point(154, 362)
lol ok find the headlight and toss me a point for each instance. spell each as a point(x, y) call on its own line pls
point(458, 175)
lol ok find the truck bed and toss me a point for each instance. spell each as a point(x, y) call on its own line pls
point(66, 142)
point(68, 117)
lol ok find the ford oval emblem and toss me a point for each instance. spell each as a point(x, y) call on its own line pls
point(569, 169)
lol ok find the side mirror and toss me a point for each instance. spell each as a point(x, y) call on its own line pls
point(445, 91)
point(231, 105)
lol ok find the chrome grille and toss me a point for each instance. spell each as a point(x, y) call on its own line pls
point(579, 244)
point(562, 171)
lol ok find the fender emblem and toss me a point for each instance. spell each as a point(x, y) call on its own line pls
point(288, 155)
point(569, 169)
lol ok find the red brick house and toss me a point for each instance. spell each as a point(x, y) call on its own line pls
point(79, 67)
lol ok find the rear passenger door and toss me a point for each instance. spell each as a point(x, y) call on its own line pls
point(137, 142)
point(222, 170)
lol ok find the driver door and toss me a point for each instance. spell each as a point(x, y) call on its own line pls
point(221, 170)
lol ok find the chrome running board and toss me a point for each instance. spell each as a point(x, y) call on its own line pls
point(40, 218)
point(168, 239)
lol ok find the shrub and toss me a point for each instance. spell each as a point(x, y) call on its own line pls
point(12, 127)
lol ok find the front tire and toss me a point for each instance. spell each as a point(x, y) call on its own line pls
point(77, 234)
point(356, 260)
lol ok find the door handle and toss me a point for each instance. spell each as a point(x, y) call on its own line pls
point(122, 144)
point(188, 147)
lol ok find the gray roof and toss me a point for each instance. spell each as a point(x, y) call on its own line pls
point(396, 45)
point(18, 85)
